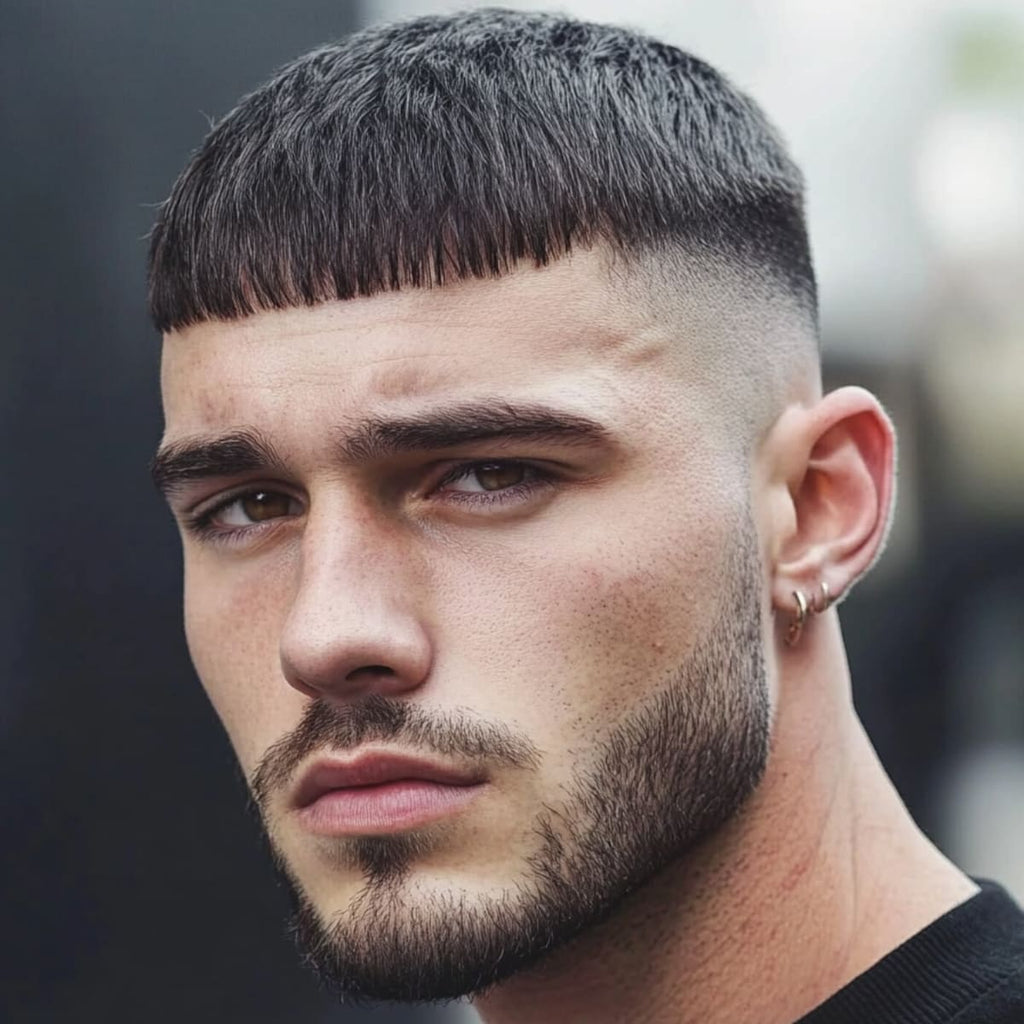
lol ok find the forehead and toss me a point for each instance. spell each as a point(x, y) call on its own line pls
point(571, 331)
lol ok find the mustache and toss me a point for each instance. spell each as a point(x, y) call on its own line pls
point(325, 726)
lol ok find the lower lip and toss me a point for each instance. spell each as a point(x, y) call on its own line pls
point(389, 807)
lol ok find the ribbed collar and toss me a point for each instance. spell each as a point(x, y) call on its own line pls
point(939, 971)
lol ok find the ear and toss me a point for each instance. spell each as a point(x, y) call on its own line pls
point(831, 480)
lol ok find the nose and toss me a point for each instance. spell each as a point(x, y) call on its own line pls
point(352, 629)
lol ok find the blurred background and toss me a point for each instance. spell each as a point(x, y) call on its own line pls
point(133, 885)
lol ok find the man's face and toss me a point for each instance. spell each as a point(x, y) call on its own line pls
point(501, 529)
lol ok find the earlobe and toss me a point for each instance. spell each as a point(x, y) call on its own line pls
point(835, 491)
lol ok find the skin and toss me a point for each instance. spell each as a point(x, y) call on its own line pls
point(539, 614)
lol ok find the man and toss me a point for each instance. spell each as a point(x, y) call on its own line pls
point(513, 518)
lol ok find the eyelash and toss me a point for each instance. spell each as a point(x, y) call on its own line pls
point(201, 523)
point(536, 478)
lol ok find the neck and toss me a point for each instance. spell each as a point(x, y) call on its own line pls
point(821, 874)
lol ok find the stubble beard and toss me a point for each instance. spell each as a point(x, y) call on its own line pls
point(679, 765)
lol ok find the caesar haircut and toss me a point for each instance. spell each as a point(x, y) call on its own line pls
point(445, 148)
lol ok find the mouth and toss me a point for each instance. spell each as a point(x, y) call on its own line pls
point(378, 794)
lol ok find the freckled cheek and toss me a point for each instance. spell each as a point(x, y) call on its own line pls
point(233, 629)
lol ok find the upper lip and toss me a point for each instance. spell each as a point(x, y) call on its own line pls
point(375, 769)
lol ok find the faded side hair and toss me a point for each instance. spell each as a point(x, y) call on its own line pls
point(444, 148)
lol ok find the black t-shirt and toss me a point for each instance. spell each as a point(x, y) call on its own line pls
point(965, 968)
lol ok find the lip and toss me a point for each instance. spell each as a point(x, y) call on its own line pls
point(375, 794)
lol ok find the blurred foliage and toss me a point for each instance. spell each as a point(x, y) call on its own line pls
point(988, 55)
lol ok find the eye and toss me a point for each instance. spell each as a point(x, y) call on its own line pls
point(490, 483)
point(252, 508)
point(488, 476)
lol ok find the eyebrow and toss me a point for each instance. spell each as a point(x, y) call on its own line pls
point(179, 463)
point(378, 438)
point(197, 458)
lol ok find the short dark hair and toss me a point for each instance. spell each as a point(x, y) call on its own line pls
point(451, 147)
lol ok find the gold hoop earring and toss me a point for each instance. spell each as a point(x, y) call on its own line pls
point(823, 603)
point(796, 626)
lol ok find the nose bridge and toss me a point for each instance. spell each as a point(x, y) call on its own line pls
point(355, 624)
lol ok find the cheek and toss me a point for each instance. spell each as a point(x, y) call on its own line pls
point(233, 629)
point(561, 643)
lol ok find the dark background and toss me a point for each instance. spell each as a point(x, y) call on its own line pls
point(133, 885)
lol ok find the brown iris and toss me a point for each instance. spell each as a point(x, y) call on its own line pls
point(262, 505)
point(496, 476)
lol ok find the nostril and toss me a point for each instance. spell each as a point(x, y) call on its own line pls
point(371, 672)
